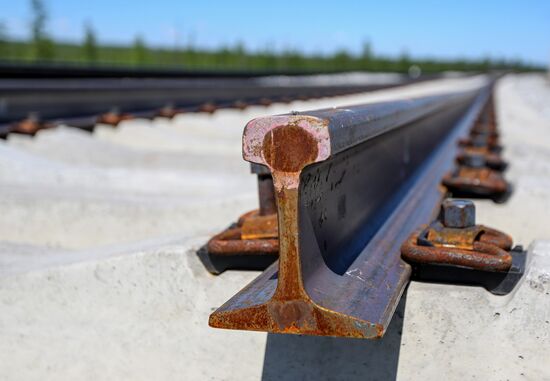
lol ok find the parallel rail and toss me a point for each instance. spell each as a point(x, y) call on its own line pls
point(66, 98)
point(15, 69)
point(351, 185)
point(52, 95)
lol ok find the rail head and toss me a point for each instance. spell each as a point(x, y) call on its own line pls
point(316, 135)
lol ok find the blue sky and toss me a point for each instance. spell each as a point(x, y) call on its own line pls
point(470, 29)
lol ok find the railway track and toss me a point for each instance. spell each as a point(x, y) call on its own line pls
point(102, 229)
point(35, 98)
point(351, 185)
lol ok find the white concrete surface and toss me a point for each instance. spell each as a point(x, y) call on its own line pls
point(74, 146)
point(467, 333)
point(139, 314)
point(99, 280)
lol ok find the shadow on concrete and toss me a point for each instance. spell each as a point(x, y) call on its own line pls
point(291, 357)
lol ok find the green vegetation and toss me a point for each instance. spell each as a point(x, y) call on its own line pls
point(139, 51)
point(236, 58)
point(3, 40)
point(42, 48)
point(89, 46)
point(42, 45)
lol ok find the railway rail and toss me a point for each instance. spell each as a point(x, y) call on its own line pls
point(353, 186)
point(33, 98)
point(11, 69)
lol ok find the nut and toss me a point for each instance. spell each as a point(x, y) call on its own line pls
point(458, 213)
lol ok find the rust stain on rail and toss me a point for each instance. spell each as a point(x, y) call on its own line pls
point(280, 156)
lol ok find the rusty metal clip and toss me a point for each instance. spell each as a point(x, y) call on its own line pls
point(485, 128)
point(208, 107)
point(492, 159)
point(474, 178)
point(30, 126)
point(453, 248)
point(252, 234)
point(113, 117)
point(169, 111)
point(481, 140)
point(252, 243)
point(456, 240)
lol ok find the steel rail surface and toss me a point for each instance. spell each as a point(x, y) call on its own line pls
point(15, 69)
point(22, 69)
point(77, 97)
point(351, 185)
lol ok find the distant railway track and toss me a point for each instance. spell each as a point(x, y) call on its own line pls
point(53, 70)
point(32, 99)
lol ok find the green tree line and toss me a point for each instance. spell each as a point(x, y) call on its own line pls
point(42, 48)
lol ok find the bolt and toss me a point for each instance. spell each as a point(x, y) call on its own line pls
point(475, 160)
point(458, 213)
